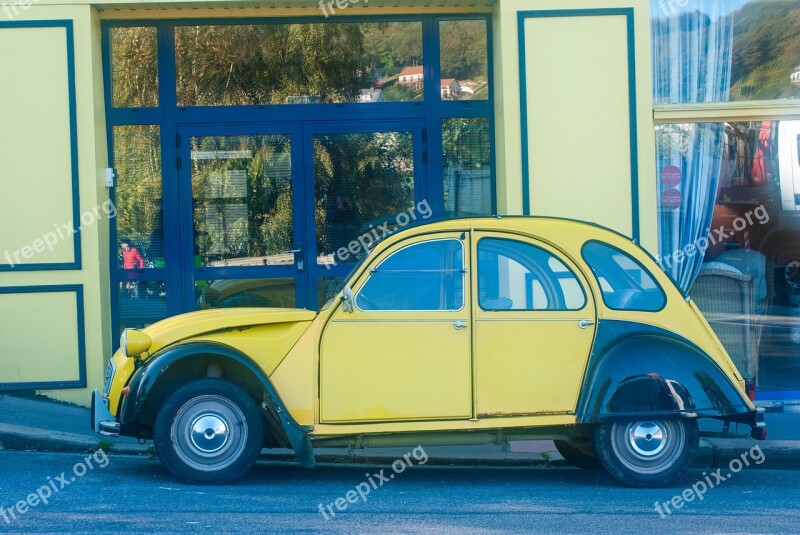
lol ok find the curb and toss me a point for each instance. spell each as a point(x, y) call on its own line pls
point(719, 453)
point(21, 438)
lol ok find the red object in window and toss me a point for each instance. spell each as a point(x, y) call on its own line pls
point(760, 158)
point(132, 259)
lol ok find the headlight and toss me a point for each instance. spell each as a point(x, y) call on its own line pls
point(133, 343)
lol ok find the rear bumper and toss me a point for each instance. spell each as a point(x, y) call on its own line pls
point(755, 419)
point(759, 426)
point(103, 421)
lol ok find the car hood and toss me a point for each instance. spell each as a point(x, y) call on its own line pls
point(177, 328)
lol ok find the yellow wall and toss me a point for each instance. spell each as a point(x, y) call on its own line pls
point(39, 331)
point(576, 79)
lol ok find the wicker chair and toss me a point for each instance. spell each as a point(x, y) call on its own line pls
point(726, 298)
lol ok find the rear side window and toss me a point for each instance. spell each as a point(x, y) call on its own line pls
point(514, 275)
point(625, 283)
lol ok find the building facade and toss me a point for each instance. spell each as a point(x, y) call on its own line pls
point(219, 154)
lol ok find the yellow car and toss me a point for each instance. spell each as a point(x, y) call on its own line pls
point(466, 331)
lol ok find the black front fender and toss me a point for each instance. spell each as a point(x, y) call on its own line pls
point(637, 370)
point(147, 376)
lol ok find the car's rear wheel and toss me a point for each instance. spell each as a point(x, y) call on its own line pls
point(647, 452)
point(209, 432)
point(579, 453)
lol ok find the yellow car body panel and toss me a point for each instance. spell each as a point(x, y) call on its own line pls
point(265, 335)
point(190, 325)
point(367, 372)
point(368, 360)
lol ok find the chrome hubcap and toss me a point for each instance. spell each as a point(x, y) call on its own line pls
point(648, 439)
point(648, 447)
point(209, 433)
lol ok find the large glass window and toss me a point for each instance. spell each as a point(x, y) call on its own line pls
point(464, 60)
point(362, 182)
point(466, 167)
point(513, 275)
point(748, 282)
point(425, 276)
point(134, 67)
point(242, 193)
point(299, 63)
point(725, 50)
point(139, 220)
point(625, 284)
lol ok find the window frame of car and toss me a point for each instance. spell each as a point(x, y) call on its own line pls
point(639, 264)
point(572, 269)
point(399, 247)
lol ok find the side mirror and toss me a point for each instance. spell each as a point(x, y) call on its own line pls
point(347, 300)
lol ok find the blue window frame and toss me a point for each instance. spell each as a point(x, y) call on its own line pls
point(171, 119)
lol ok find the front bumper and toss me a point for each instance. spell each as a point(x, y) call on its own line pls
point(103, 421)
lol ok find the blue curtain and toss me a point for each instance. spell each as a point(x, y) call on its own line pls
point(692, 55)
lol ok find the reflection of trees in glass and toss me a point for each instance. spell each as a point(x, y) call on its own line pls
point(463, 49)
point(360, 178)
point(390, 46)
point(266, 64)
point(766, 51)
point(242, 196)
point(134, 67)
point(137, 161)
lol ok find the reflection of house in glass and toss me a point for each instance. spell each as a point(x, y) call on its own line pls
point(795, 77)
point(411, 76)
point(371, 95)
point(451, 89)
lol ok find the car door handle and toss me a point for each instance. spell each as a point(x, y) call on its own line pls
point(458, 325)
point(584, 324)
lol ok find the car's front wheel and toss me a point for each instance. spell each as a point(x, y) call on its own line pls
point(647, 452)
point(209, 432)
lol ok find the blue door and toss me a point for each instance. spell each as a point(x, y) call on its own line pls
point(276, 215)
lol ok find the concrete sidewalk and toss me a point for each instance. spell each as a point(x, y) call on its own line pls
point(39, 424)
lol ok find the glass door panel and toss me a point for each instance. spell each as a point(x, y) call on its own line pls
point(242, 200)
point(365, 184)
point(245, 221)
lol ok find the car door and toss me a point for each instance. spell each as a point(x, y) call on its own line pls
point(534, 322)
point(403, 351)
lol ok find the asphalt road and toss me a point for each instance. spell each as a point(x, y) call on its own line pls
point(136, 495)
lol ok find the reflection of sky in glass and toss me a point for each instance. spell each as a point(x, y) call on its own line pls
point(717, 7)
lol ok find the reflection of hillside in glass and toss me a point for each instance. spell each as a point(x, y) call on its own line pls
point(294, 63)
point(710, 54)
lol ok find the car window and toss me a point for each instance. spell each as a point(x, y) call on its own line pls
point(624, 282)
point(423, 276)
point(513, 275)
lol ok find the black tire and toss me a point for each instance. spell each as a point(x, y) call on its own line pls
point(209, 432)
point(647, 452)
point(579, 453)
